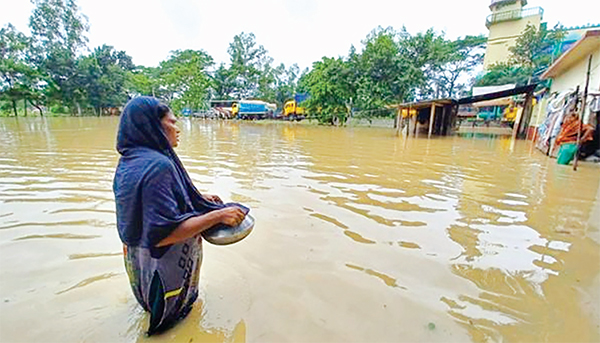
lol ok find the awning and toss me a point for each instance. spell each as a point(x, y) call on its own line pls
point(497, 95)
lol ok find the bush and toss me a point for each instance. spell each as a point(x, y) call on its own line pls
point(58, 109)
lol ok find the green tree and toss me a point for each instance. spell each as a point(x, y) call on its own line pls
point(382, 73)
point(185, 81)
point(459, 58)
point(223, 83)
point(535, 48)
point(427, 53)
point(250, 66)
point(286, 83)
point(101, 78)
point(505, 73)
point(267, 80)
point(143, 81)
point(330, 95)
point(19, 78)
point(393, 67)
point(58, 33)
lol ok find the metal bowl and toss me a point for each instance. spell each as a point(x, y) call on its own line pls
point(224, 235)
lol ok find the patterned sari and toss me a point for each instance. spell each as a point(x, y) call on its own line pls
point(167, 287)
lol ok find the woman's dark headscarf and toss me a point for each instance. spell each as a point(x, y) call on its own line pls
point(153, 192)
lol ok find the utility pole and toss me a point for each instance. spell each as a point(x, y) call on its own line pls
point(582, 112)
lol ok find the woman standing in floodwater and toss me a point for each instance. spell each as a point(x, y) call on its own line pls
point(160, 214)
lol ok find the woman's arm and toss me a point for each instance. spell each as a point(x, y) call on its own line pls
point(231, 216)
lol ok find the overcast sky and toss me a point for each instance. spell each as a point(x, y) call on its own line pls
point(293, 31)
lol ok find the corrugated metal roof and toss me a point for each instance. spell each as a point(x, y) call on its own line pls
point(585, 46)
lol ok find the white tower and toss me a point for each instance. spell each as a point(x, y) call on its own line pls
point(505, 25)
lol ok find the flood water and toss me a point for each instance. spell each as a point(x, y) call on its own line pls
point(361, 236)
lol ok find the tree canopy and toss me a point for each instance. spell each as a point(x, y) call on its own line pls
point(533, 53)
point(18, 75)
point(392, 67)
point(54, 69)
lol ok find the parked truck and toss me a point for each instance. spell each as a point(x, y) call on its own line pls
point(253, 109)
point(292, 109)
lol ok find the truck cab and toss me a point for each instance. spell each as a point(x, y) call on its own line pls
point(292, 111)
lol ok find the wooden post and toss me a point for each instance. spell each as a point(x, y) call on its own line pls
point(453, 118)
point(537, 116)
point(582, 113)
point(416, 121)
point(406, 121)
point(517, 124)
point(431, 118)
point(526, 115)
point(443, 128)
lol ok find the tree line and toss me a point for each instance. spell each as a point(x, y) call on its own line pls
point(393, 67)
point(53, 68)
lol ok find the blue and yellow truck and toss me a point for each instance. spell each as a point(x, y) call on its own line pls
point(252, 109)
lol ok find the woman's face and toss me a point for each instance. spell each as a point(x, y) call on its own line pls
point(169, 124)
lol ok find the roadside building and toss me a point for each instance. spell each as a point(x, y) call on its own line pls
point(568, 74)
point(569, 70)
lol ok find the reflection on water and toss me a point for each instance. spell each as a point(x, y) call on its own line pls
point(361, 236)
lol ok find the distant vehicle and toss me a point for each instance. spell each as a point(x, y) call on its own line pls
point(292, 109)
point(490, 113)
point(252, 109)
point(467, 111)
point(222, 109)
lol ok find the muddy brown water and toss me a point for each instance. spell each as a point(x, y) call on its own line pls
point(361, 236)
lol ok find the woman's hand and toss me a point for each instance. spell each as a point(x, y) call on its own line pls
point(231, 216)
point(213, 198)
